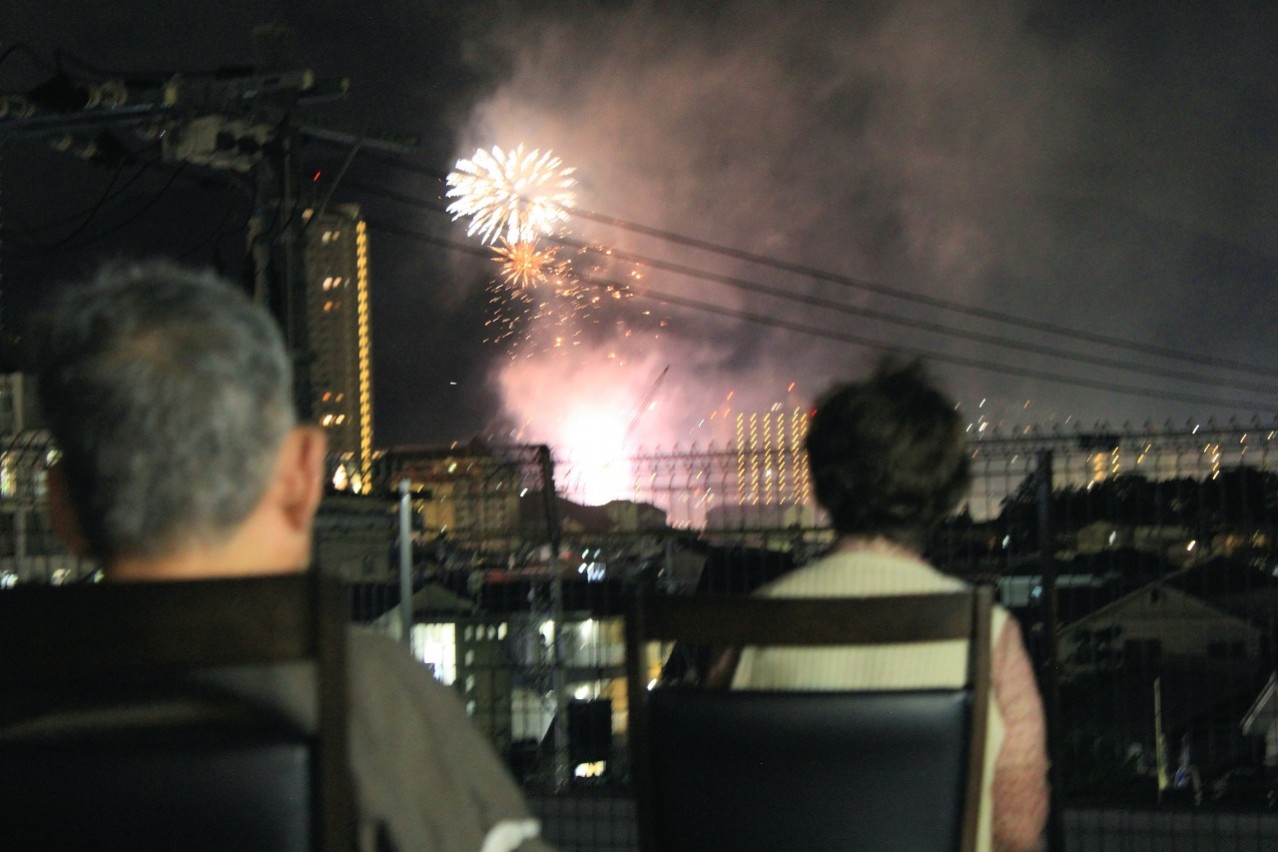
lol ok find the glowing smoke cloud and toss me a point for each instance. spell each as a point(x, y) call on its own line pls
point(928, 146)
point(511, 195)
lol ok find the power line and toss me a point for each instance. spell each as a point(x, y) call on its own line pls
point(122, 223)
point(958, 360)
point(929, 301)
point(218, 230)
point(89, 211)
point(32, 53)
point(842, 336)
point(879, 315)
point(936, 302)
point(926, 325)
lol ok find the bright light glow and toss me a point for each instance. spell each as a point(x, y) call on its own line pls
point(436, 646)
point(525, 264)
point(512, 195)
point(590, 770)
point(594, 449)
point(596, 572)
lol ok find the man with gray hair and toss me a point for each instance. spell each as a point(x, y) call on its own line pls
point(169, 394)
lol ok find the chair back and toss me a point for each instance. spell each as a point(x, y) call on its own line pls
point(765, 770)
point(115, 732)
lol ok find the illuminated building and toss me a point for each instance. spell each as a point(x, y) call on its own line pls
point(1103, 465)
point(460, 492)
point(772, 465)
point(29, 550)
point(1103, 456)
point(338, 335)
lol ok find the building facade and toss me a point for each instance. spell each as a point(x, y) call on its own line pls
point(340, 338)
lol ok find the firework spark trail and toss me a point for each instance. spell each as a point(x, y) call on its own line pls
point(511, 195)
point(527, 264)
point(542, 304)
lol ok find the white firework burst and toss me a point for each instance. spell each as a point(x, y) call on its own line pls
point(512, 195)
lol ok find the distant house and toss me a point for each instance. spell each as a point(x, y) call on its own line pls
point(1261, 719)
point(468, 492)
point(1154, 626)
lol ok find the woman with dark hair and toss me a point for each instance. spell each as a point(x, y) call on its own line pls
point(889, 461)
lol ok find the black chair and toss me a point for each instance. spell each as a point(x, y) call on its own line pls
point(117, 731)
point(768, 770)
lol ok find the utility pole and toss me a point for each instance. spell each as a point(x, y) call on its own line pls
point(559, 673)
point(1051, 672)
point(242, 121)
point(282, 283)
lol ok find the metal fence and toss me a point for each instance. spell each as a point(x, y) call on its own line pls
point(1141, 564)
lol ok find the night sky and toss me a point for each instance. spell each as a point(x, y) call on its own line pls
point(1064, 193)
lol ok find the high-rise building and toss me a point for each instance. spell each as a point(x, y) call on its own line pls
point(341, 375)
point(772, 464)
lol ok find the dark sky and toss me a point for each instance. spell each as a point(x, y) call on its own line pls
point(1071, 175)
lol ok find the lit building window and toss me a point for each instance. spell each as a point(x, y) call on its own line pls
point(436, 646)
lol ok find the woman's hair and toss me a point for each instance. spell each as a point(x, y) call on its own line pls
point(888, 454)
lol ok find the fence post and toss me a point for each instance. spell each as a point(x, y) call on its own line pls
point(405, 563)
point(559, 679)
point(1051, 666)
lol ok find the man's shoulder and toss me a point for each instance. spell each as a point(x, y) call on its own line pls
point(376, 661)
point(420, 765)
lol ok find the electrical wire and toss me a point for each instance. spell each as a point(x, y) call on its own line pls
point(32, 53)
point(89, 211)
point(93, 211)
point(810, 300)
point(935, 302)
point(128, 220)
point(218, 230)
point(147, 76)
point(772, 321)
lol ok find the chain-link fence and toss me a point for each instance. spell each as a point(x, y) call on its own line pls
point(1141, 563)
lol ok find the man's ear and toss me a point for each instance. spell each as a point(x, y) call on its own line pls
point(62, 514)
point(302, 475)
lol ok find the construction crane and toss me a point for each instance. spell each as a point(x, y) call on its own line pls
point(643, 406)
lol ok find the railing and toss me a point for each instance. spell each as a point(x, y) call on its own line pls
point(1140, 562)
